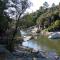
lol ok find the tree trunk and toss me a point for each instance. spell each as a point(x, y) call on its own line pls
point(12, 43)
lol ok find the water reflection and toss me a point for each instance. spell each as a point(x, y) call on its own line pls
point(43, 44)
point(31, 44)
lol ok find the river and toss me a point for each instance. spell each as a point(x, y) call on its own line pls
point(30, 43)
point(43, 43)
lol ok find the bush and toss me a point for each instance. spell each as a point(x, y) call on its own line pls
point(55, 26)
point(57, 23)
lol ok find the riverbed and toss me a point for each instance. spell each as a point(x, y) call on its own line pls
point(42, 43)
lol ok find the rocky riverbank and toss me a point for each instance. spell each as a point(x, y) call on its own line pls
point(25, 53)
point(46, 33)
point(28, 52)
point(22, 53)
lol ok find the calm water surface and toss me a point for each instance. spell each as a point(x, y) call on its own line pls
point(43, 43)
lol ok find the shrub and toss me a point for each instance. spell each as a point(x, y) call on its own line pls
point(57, 23)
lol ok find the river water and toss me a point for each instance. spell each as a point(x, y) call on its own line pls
point(43, 44)
point(30, 43)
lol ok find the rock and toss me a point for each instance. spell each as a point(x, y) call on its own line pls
point(54, 35)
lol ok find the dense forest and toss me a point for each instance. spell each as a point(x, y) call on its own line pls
point(47, 18)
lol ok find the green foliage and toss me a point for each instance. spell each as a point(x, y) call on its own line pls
point(23, 5)
point(28, 20)
point(3, 23)
point(3, 19)
point(50, 19)
point(54, 26)
point(8, 27)
point(46, 18)
point(31, 19)
point(57, 23)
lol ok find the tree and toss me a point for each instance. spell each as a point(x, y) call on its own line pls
point(53, 5)
point(15, 10)
point(45, 5)
point(59, 3)
point(3, 20)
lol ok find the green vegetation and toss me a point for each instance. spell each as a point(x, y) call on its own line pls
point(9, 25)
point(46, 17)
point(50, 19)
point(57, 23)
point(26, 21)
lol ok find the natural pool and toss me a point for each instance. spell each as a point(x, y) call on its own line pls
point(43, 43)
